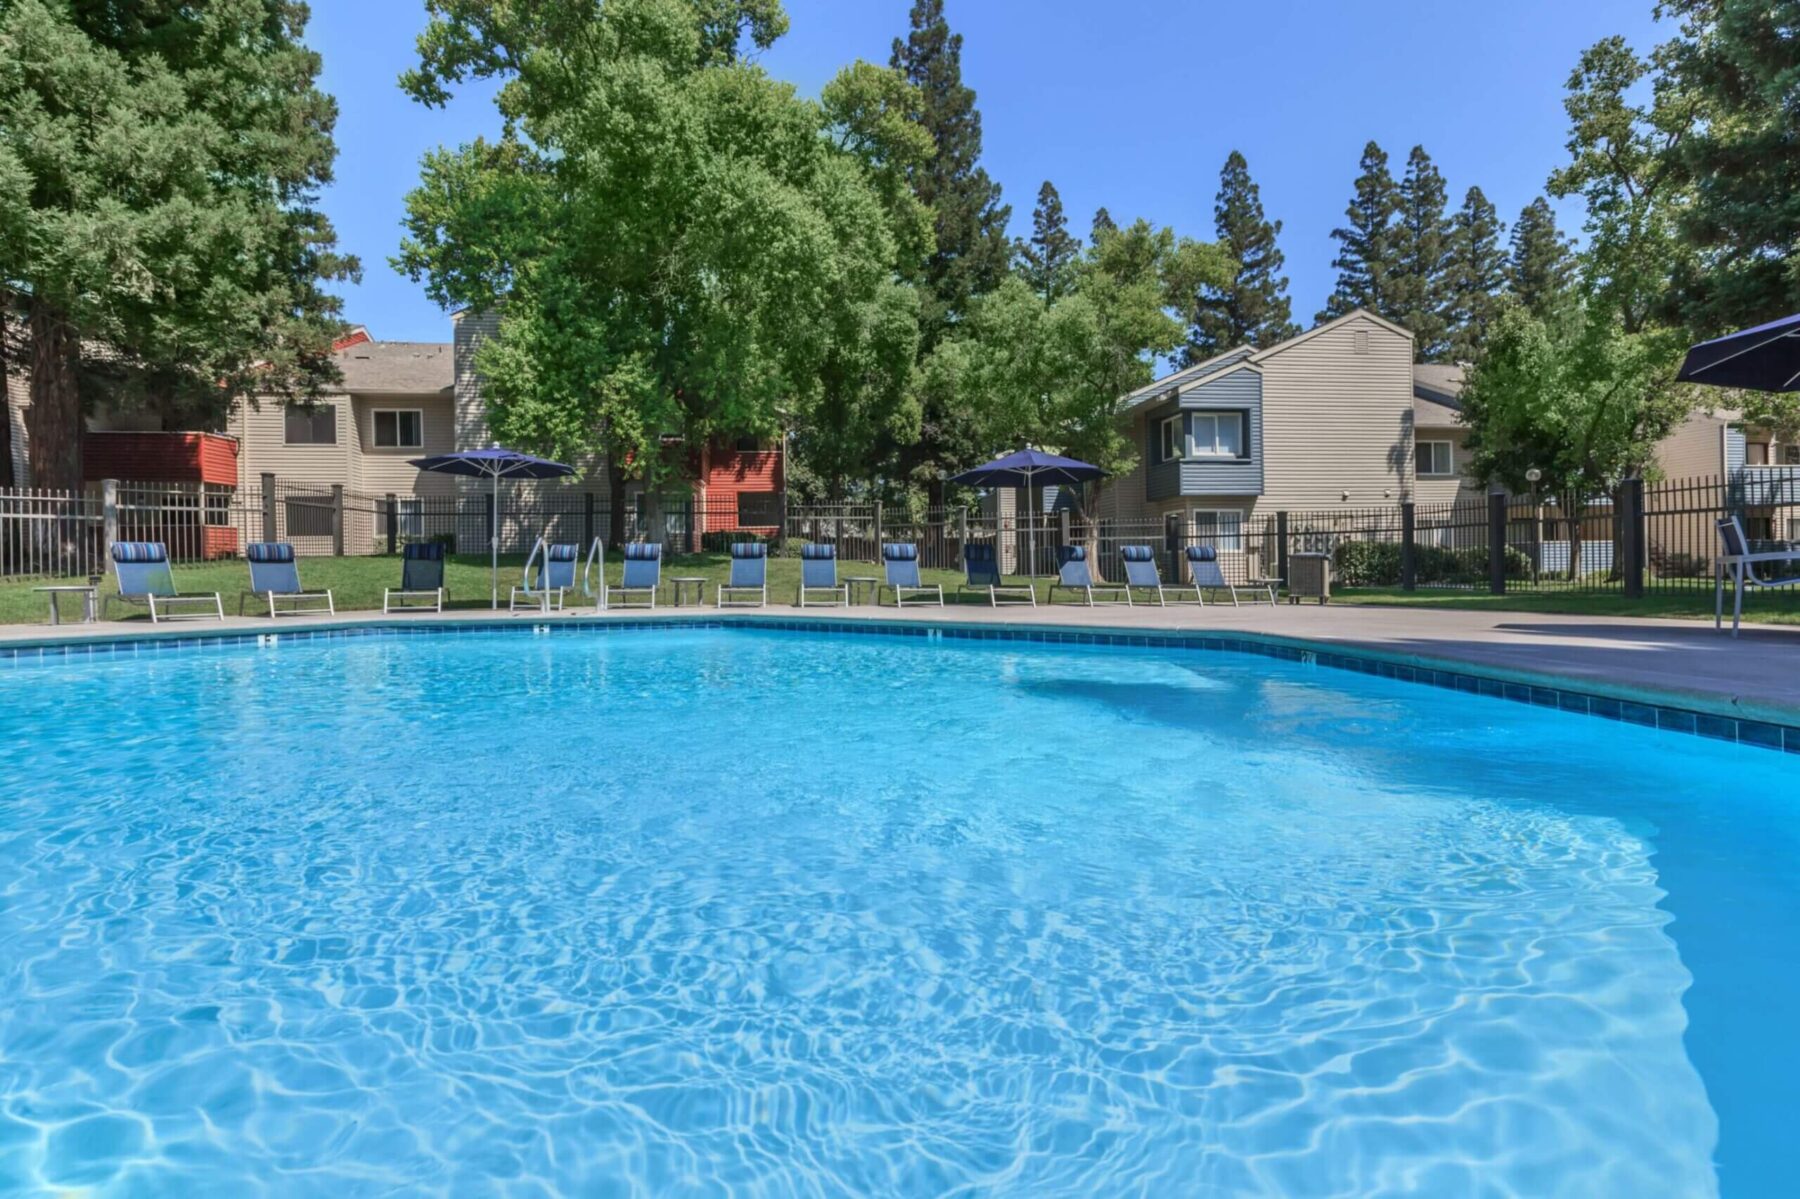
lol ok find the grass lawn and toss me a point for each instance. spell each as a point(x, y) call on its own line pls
point(357, 583)
point(1767, 607)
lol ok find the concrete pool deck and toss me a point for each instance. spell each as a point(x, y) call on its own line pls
point(1756, 674)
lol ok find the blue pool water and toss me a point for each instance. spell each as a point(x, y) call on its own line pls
point(759, 913)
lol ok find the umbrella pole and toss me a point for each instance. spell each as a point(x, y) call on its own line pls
point(494, 547)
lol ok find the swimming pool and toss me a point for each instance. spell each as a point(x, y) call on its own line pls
point(750, 912)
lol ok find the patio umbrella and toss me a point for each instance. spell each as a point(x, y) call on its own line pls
point(1766, 358)
point(494, 463)
point(1028, 469)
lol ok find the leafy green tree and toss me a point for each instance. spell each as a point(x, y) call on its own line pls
point(675, 242)
point(972, 251)
point(1365, 259)
point(1252, 308)
point(1047, 258)
point(1419, 294)
point(1622, 165)
point(1576, 396)
point(1476, 273)
point(1540, 267)
point(1103, 223)
point(159, 170)
point(1738, 62)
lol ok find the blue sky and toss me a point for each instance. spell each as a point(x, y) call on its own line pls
point(1133, 104)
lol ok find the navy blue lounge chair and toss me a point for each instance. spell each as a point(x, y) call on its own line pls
point(421, 579)
point(981, 571)
point(144, 577)
point(818, 572)
point(544, 588)
point(1141, 573)
point(642, 576)
point(749, 583)
point(275, 579)
point(900, 563)
point(1074, 574)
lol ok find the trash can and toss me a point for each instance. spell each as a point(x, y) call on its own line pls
point(1309, 577)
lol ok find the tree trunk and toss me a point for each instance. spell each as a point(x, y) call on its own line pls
point(1087, 509)
point(6, 444)
point(1572, 507)
point(54, 422)
point(615, 504)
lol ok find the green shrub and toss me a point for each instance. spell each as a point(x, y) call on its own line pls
point(1377, 564)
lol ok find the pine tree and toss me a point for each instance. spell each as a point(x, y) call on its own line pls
point(165, 160)
point(1540, 267)
point(1420, 292)
point(1477, 275)
point(1253, 308)
point(973, 250)
point(1103, 224)
point(1365, 259)
point(1047, 258)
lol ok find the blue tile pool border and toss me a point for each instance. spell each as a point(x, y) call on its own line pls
point(1647, 709)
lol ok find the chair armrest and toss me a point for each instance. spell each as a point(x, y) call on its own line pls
point(1769, 556)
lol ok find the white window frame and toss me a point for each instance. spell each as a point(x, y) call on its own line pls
point(1449, 458)
point(1210, 448)
point(1173, 445)
point(409, 517)
point(375, 415)
point(1228, 536)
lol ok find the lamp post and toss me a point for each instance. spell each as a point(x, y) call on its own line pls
point(1532, 476)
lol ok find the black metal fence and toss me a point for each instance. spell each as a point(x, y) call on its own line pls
point(1643, 539)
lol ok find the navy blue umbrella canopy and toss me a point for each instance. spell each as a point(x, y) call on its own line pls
point(1765, 358)
point(494, 463)
point(1028, 469)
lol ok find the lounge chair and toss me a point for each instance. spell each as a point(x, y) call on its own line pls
point(554, 577)
point(749, 577)
point(1141, 573)
point(1075, 575)
point(900, 563)
point(275, 577)
point(1206, 575)
point(144, 577)
point(1739, 563)
point(421, 578)
point(981, 572)
point(818, 572)
point(643, 575)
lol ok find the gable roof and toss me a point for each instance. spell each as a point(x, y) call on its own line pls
point(397, 367)
point(1249, 356)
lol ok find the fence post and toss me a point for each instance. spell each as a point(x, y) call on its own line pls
point(1062, 526)
point(393, 523)
point(270, 530)
point(1630, 513)
point(1409, 559)
point(587, 519)
point(1281, 546)
point(1497, 542)
point(109, 506)
point(337, 519)
point(878, 538)
point(962, 533)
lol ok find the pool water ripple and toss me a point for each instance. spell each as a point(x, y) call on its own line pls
point(734, 913)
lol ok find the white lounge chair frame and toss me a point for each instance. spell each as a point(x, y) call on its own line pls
point(1740, 564)
point(398, 599)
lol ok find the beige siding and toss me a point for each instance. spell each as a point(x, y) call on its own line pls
point(261, 431)
point(1696, 448)
point(1339, 421)
point(1462, 486)
point(382, 470)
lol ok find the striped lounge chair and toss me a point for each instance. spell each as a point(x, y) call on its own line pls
point(900, 564)
point(275, 579)
point(421, 580)
point(144, 578)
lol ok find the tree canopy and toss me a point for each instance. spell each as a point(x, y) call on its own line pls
point(159, 171)
point(1251, 305)
point(676, 243)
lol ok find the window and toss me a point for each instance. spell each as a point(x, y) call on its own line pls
point(1790, 455)
point(1218, 434)
point(747, 445)
point(399, 428)
point(1759, 528)
point(1756, 453)
point(759, 509)
point(218, 505)
point(1223, 529)
point(1793, 529)
point(1170, 439)
point(1436, 459)
point(311, 426)
point(309, 516)
point(409, 517)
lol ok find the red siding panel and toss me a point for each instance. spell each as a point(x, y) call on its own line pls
point(731, 473)
point(160, 457)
